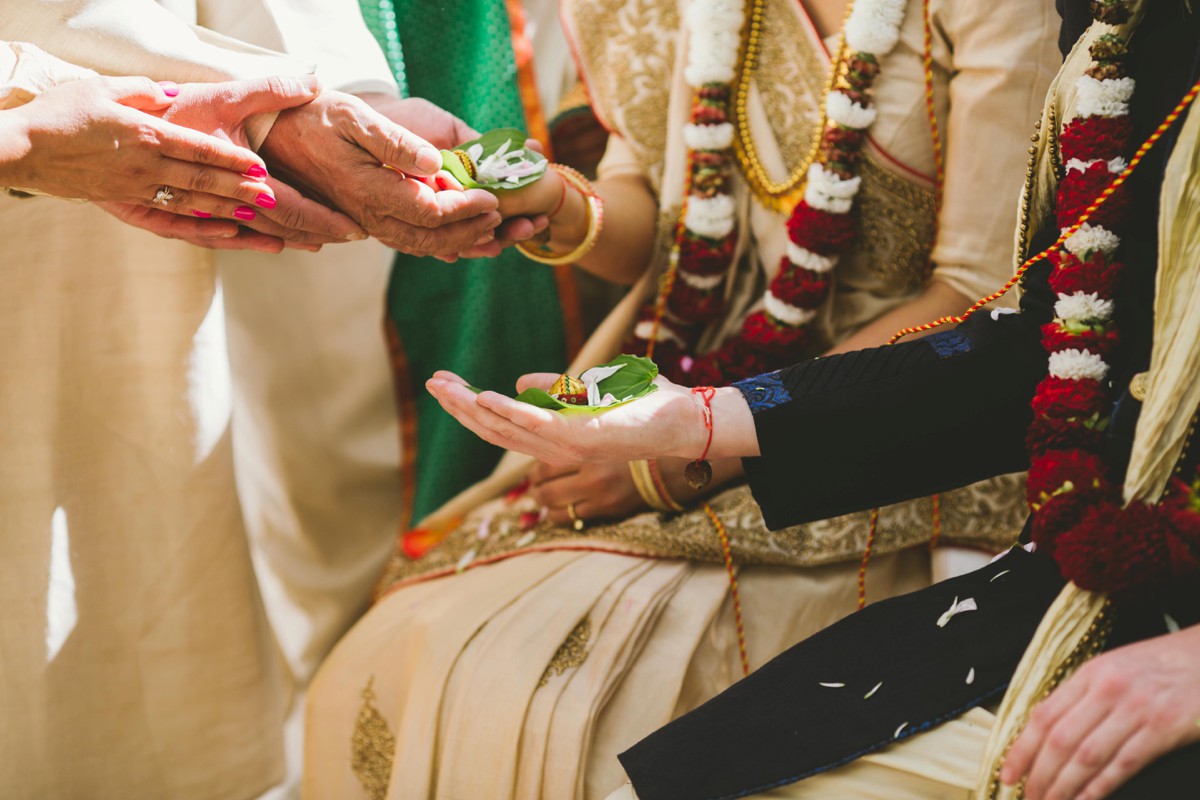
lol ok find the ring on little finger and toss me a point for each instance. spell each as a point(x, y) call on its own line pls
point(576, 522)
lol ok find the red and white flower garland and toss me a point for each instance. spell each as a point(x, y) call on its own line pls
point(1078, 513)
point(819, 229)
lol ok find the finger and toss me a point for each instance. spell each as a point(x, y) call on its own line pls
point(393, 145)
point(275, 93)
point(220, 182)
point(584, 510)
point(540, 473)
point(142, 94)
point(173, 226)
point(1094, 749)
point(450, 239)
point(1069, 752)
point(185, 144)
point(467, 413)
point(1020, 758)
point(445, 375)
point(465, 406)
point(446, 181)
point(1136, 754)
point(209, 206)
point(245, 239)
point(413, 203)
point(536, 380)
point(519, 229)
point(297, 212)
point(302, 240)
point(557, 493)
point(489, 250)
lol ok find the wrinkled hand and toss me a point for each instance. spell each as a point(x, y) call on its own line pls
point(214, 234)
point(599, 490)
point(100, 140)
point(668, 422)
point(1116, 715)
point(277, 210)
point(334, 149)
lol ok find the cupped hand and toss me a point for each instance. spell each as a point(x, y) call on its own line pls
point(214, 234)
point(1117, 714)
point(100, 139)
point(335, 148)
point(668, 422)
point(598, 490)
point(274, 208)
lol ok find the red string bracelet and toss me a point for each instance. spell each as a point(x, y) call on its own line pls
point(699, 472)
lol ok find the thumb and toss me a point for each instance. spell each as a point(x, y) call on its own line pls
point(142, 94)
point(394, 145)
point(536, 380)
point(263, 95)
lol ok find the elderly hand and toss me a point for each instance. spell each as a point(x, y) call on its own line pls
point(97, 139)
point(1117, 714)
point(279, 211)
point(214, 234)
point(669, 422)
point(335, 147)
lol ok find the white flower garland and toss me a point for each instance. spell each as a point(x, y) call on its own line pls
point(828, 192)
point(787, 313)
point(708, 137)
point(710, 216)
point(808, 259)
point(1092, 237)
point(714, 41)
point(1106, 98)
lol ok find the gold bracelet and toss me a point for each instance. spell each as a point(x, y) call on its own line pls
point(595, 209)
point(649, 489)
point(660, 486)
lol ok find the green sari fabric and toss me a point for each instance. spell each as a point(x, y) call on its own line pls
point(489, 320)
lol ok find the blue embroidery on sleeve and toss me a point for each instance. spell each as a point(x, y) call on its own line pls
point(763, 391)
point(949, 343)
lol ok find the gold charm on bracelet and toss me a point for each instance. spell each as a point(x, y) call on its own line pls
point(698, 474)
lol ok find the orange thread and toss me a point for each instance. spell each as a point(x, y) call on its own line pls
point(1069, 232)
point(934, 131)
point(733, 586)
point(866, 557)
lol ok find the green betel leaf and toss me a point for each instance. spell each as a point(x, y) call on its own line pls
point(500, 160)
point(634, 379)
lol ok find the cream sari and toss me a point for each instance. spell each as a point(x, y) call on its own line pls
point(517, 664)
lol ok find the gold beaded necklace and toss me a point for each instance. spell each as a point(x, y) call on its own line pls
point(776, 196)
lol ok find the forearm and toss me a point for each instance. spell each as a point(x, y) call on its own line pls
point(626, 240)
point(14, 149)
point(936, 301)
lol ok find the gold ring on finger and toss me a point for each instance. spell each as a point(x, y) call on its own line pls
point(576, 522)
point(163, 196)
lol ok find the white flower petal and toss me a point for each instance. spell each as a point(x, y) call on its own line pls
point(710, 216)
point(1000, 574)
point(1172, 625)
point(834, 685)
point(1092, 237)
point(527, 539)
point(1083, 307)
point(708, 137)
point(903, 725)
point(785, 312)
point(869, 694)
point(971, 676)
point(1078, 365)
point(956, 608)
point(803, 257)
point(1103, 98)
point(844, 111)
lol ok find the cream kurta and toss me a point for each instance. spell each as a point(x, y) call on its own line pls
point(513, 664)
point(135, 658)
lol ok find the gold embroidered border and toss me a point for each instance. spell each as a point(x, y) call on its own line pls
point(572, 653)
point(372, 747)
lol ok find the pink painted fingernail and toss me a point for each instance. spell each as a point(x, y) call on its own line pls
point(244, 212)
point(256, 171)
point(170, 88)
point(202, 214)
point(264, 200)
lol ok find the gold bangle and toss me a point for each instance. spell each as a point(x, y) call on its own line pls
point(595, 210)
point(649, 489)
point(660, 486)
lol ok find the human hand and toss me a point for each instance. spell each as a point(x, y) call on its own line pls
point(214, 234)
point(668, 422)
point(334, 149)
point(278, 211)
point(98, 139)
point(597, 489)
point(1117, 714)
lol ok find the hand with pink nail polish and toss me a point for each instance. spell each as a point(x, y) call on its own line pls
point(102, 139)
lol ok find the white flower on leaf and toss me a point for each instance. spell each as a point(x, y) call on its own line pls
point(844, 111)
point(1103, 98)
point(828, 192)
point(803, 257)
point(957, 607)
point(1092, 237)
point(1078, 365)
point(787, 313)
point(710, 216)
point(504, 165)
point(708, 137)
point(591, 379)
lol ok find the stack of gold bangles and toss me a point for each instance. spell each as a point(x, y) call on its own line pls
point(649, 484)
point(595, 211)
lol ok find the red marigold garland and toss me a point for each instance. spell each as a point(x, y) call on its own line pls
point(820, 227)
point(1079, 517)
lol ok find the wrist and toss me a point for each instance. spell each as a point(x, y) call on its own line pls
point(15, 146)
point(734, 433)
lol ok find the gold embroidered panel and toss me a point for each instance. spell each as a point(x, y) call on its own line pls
point(896, 220)
point(372, 747)
point(989, 514)
point(572, 653)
